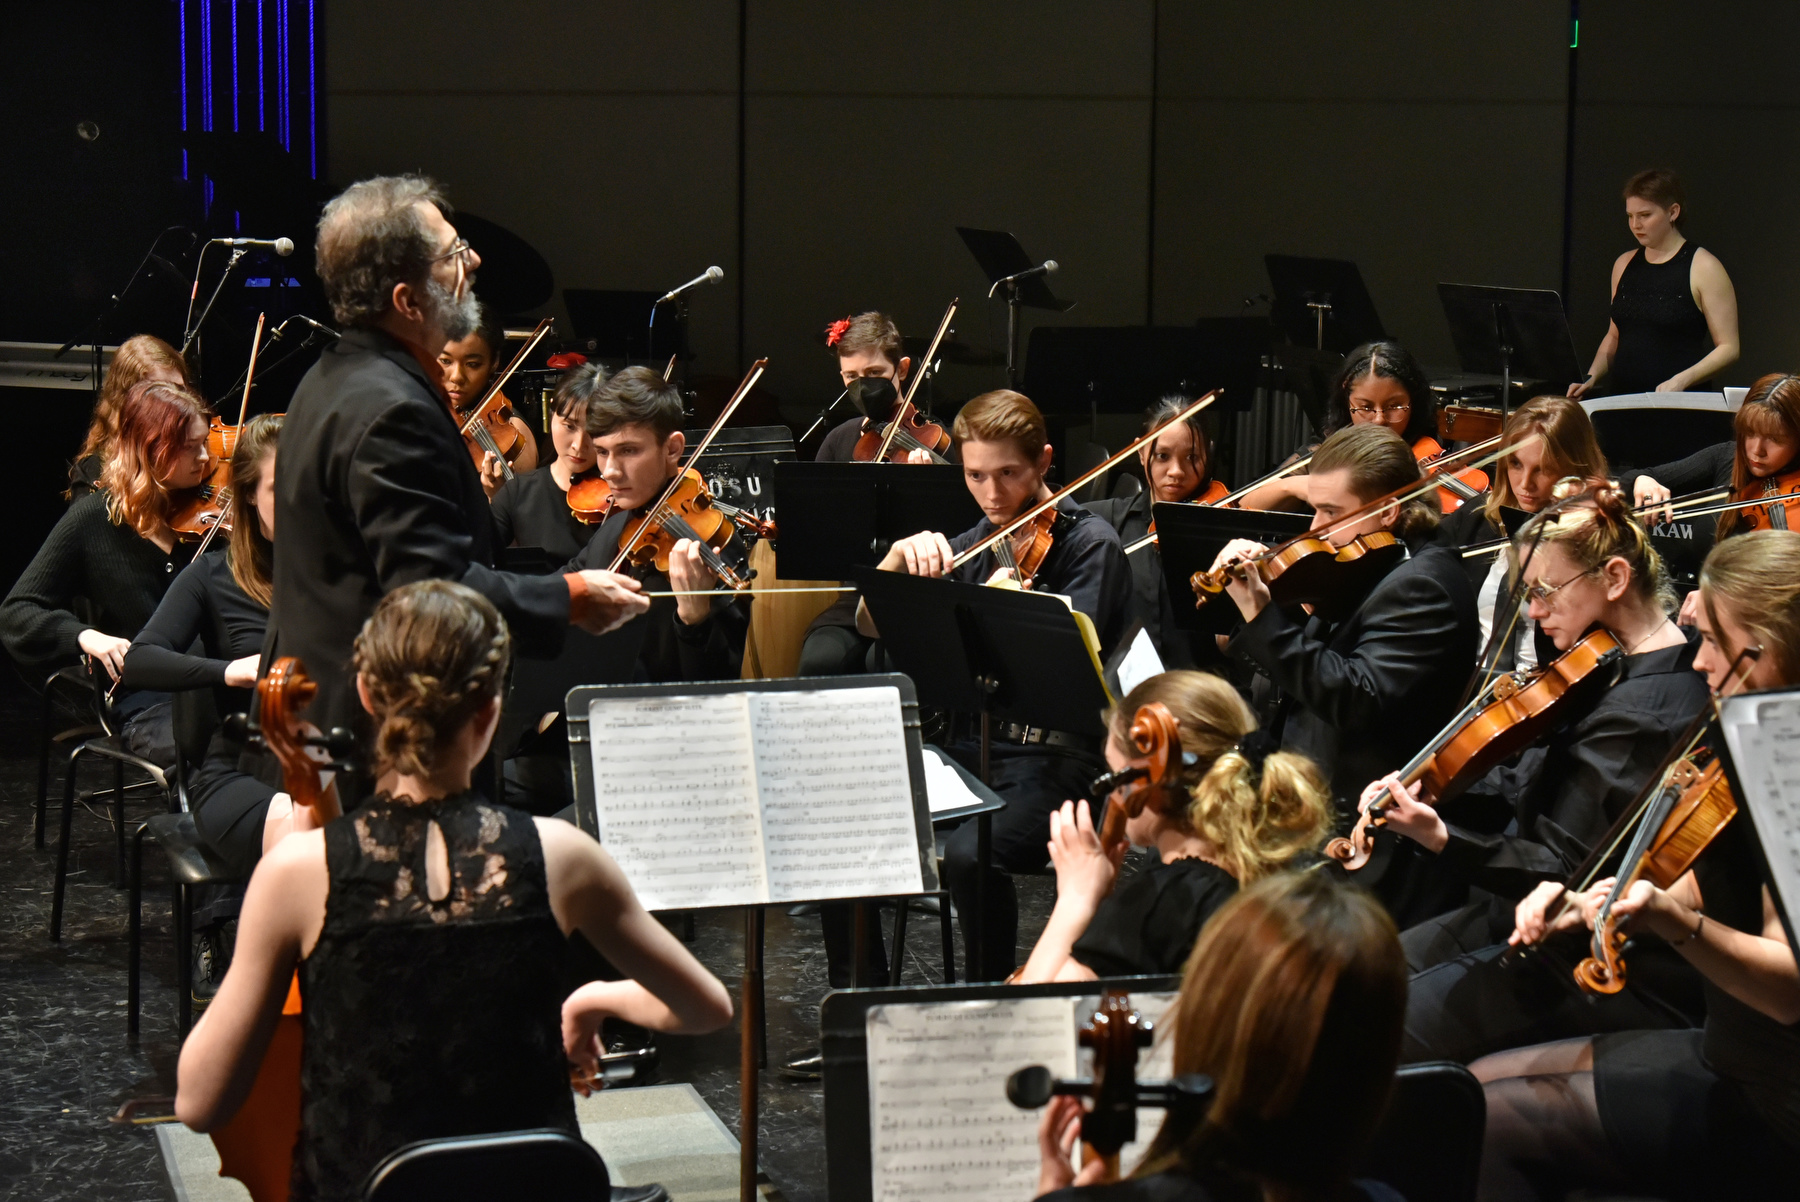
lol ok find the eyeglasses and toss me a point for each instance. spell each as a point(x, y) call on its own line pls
point(460, 247)
point(460, 250)
point(1371, 411)
point(1538, 592)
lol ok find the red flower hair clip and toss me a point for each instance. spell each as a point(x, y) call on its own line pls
point(564, 360)
point(836, 330)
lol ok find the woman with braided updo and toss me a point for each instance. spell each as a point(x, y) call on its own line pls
point(1247, 815)
point(430, 928)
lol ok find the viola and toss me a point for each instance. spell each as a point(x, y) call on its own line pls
point(1507, 716)
point(257, 1145)
point(207, 509)
point(1694, 806)
point(905, 430)
point(486, 426)
point(1023, 552)
point(1781, 509)
point(1454, 487)
point(1311, 570)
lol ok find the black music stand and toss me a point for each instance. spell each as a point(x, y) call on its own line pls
point(844, 1046)
point(1190, 537)
point(999, 255)
point(1511, 331)
point(1083, 370)
point(836, 517)
point(1321, 303)
point(992, 652)
point(541, 686)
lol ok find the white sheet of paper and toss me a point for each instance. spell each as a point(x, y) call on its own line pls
point(1141, 662)
point(837, 811)
point(675, 794)
point(1763, 733)
point(945, 789)
point(940, 1126)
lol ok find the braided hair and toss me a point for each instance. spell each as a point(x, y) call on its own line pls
point(431, 656)
point(1602, 528)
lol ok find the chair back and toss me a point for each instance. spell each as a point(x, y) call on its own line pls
point(479, 1168)
point(1429, 1144)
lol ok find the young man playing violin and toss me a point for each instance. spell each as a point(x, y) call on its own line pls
point(469, 364)
point(634, 423)
point(1005, 456)
point(1369, 689)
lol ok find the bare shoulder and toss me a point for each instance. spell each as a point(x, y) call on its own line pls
point(569, 851)
point(1618, 266)
point(1707, 265)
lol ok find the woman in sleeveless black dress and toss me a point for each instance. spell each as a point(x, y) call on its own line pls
point(1674, 314)
point(429, 930)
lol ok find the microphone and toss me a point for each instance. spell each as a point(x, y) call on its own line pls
point(281, 246)
point(318, 325)
point(1047, 267)
point(712, 275)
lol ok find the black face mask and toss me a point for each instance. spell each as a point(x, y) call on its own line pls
point(873, 396)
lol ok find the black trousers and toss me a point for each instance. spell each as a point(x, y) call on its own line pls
point(1033, 781)
point(1464, 1003)
point(835, 651)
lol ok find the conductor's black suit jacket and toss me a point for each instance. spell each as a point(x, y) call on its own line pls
point(374, 489)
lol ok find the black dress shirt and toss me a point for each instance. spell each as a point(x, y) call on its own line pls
point(1150, 602)
point(532, 510)
point(1149, 923)
point(377, 490)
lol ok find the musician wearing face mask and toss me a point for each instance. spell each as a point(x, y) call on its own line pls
point(1005, 455)
point(470, 365)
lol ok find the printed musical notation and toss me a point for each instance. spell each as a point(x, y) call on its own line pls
point(1762, 731)
point(734, 799)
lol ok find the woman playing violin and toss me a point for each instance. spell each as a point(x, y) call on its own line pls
point(1708, 1113)
point(1005, 455)
point(1367, 690)
point(1177, 469)
point(1238, 814)
point(139, 358)
point(469, 363)
point(114, 552)
point(634, 425)
point(430, 929)
point(1281, 969)
point(1759, 461)
point(532, 509)
point(1537, 817)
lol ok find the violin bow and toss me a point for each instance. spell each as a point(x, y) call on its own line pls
point(1278, 474)
point(670, 369)
point(912, 389)
point(243, 410)
point(537, 336)
point(1081, 481)
point(743, 390)
point(1693, 505)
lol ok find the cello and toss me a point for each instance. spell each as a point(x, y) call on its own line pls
point(257, 1145)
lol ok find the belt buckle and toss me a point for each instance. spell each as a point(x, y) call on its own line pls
point(1027, 737)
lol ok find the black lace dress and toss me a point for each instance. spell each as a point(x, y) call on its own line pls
point(427, 1019)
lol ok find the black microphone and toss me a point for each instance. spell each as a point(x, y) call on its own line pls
point(281, 246)
point(711, 275)
point(1047, 267)
point(319, 326)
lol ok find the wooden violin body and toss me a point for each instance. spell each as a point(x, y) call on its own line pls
point(1784, 493)
point(1522, 708)
point(1312, 571)
point(1024, 550)
point(590, 498)
point(207, 506)
point(906, 430)
point(686, 511)
point(1703, 808)
point(487, 429)
point(1455, 487)
point(1214, 492)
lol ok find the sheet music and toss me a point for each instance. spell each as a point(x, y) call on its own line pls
point(837, 804)
point(939, 1122)
point(945, 789)
point(1141, 662)
point(675, 795)
point(1763, 733)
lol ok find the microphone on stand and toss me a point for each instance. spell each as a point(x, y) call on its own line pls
point(711, 275)
point(1047, 267)
point(281, 246)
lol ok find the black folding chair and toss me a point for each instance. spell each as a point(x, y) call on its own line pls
point(1429, 1144)
point(545, 1165)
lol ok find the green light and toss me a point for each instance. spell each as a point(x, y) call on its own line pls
point(1575, 33)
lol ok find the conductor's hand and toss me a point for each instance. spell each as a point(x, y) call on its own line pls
point(1248, 590)
point(1057, 1132)
point(610, 601)
point(1531, 918)
point(1408, 815)
point(689, 574)
point(493, 474)
point(926, 554)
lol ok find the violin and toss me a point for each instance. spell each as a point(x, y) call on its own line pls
point(905, 430)
point(1453, 489)
point(687, 510)
point(1215, 493)
point(257, 1145)
point(1507, 716)
point(486, 426)
point(590, 500)
point(1771, 503)
point(206, 510)
point(1693, 806)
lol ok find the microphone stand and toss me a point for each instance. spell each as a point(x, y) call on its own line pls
point(823, 414)
point(1012, 333)
point(237, 252)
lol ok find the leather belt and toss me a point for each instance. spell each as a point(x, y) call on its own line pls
point(1037, 736)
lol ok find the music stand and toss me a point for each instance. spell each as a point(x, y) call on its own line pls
point(1322, 303)
point(999, 255)
point(540, 686)
point(837, 517)
point(1190, 537)
point(992, 652)
point(1083, 370)
point(1507, 331)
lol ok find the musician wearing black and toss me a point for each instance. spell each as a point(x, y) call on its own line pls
point(1674, 312)
point(1680, 1113)
point(1762, 454)
point(470, 365)
point(634, 424)
point(1005, 456)
point(1370, 688)
point(532, 509)
point(1177, 469)
point(1538, 817)
point(139, 358)
point(376, 486)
